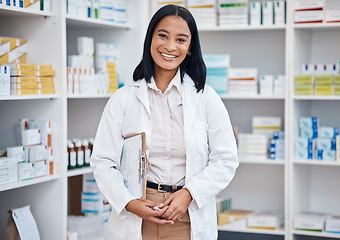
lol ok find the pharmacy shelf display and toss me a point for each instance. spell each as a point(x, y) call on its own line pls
point(46, 195)
point(312, 181)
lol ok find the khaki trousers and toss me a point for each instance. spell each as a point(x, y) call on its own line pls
point(180, 230)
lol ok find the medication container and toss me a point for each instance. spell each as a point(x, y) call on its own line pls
point(280, 69)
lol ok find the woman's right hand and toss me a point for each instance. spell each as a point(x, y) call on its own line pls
point(144, 209)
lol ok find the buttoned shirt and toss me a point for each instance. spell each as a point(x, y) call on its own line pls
point(166, 150)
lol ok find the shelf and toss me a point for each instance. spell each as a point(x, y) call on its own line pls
point(268, 162)
point(28, 182)
point(29, 97)
point(250, 230)
point(240, 28)
point(317, 234)
point(78, 171)
point(88, 22)
point(317, 162)
point(316, 25)
point(318, 97)
point(78, 96)
point(251, 97)
point(16, 11)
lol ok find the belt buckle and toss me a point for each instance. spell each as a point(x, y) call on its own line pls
point(159, 187)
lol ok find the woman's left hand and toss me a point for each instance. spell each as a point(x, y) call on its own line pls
point(178, 203)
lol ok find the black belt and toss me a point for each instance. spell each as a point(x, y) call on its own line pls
point(163, 187)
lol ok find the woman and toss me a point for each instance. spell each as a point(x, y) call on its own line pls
point(190, 141)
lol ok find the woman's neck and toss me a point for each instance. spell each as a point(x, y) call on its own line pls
point(163, 78)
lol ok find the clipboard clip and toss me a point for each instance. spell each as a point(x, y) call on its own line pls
point(144, 166)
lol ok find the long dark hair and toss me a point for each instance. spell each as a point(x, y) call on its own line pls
point(192, 65)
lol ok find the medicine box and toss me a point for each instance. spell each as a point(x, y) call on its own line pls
point(279, 88)
point(332, 224)
point(307, 132)
point(338, 148)
point(25, 171)
point(326, 155)
point(310, 221)
point(255, 17)
point(304, 154)
point(279, 12)
point(308, 5)
point(305, 143)
point(31, 137)
point(326, 143)
point(40, 168)
point(309, 122)
point(267, 13)
point(265, 220)
point(36, 153)
point(232, 215)
point(16, 152)
point(308, 17)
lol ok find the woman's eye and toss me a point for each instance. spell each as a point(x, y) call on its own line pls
point(162, 35)
point(181, 40)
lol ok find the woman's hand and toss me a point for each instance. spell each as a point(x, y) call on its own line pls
point(178, 203)
point(144, 209)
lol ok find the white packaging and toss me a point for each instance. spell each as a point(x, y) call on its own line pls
point(1, 82)
point(8, 161)
point(31, 137)
point(267, 13)
point(310, 221)
point(308, 17)
point(40, 168)
point(266, 85)
point(45, 128)
point(279, 12)
point(6, 80)
point(332, 16)
point(308, 5)
point(265, 220)
point(200, 3)
point(266, 125)
point(36, 153)
point(242, 73)
point(279, 88)
point(255, 13)
point(25, 171)
point(326, 155)
point(89, 184)
point(332, 224)
point(16, 152)
point(338, 148)
point(7, 171)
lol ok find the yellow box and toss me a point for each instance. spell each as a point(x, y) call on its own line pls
point(23, 67)
point(27, 3)
point(24, 92)
point(46, 91)
point(13, 58)
point(304, 90)
point(303, 79)
point(323, 80)
point(336, 89)
point(45, 73)
point(45, 85)
point(337, 79)
point(23, 86)
point(27, 73)
point(45, 79)
point(10, 44)
point(323, 90)
point(231, 215)
point(23, 80)
point(21, 59)
point(43, 67)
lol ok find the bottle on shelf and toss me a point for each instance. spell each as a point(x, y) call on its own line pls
point(72, 155)
point(87, 152)
point(80, 154)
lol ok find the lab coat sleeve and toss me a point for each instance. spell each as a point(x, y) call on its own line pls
point(105, 159)
point(223, 158)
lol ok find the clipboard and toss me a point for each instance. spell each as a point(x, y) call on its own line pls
point(134, 165)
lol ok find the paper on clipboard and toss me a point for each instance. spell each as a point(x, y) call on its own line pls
point(25, 223)
point(135, 164)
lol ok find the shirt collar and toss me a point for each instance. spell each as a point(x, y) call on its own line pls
point(176, 81)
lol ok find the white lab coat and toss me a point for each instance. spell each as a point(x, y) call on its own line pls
point(211, 155)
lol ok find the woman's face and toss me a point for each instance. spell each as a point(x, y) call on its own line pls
point(170, 43)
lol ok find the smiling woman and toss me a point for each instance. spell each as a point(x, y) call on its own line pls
point(191, 145)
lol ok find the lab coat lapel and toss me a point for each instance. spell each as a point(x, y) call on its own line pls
point(142, 95)
point(190, 104)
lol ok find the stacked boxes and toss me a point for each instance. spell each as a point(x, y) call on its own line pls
point(204, 12)
point(310, 221)
point(309, 11)
point(232, 12)
point(277, 146)
point(5, 77)
point(252, 146)
point(304, 85)
point(266, 125)
point(267, 13)
point(265, 220)
point(27, 79)
point(217, 71)
point(316, 142)
point(13, 50)
point(157, 4)
point(242, 81)
point(8, 170)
